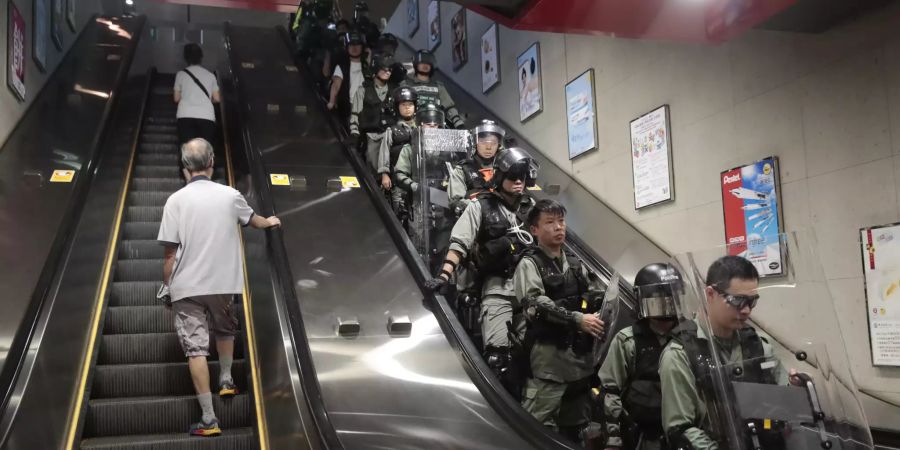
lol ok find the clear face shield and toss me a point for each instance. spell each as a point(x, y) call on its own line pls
point(659, 301)
point(750, 338)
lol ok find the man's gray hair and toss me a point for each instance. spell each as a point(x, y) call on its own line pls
point(197, 154)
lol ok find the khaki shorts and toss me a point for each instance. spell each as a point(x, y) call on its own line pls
point(198, 317)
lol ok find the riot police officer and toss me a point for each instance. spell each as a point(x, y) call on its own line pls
point(473, 176)
point(490, 233)
point(629, 376)
point(373, 109)
point(387, 45)
point(395, 137)
point(431, 90)
point(561, 299)
point(430, 116)
point(351, 68)
point(731, 294)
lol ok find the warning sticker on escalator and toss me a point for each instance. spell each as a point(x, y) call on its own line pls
point(534, 188)
point(280, 179)
point(349, 182)
point(62, 176)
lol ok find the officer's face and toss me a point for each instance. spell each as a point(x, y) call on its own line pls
point(514, 187)
point(354, 50)
point(487, 146)
point(550, 230)
point(424, 68)
point(407, 109)
point(724, 316)
point(384, 74)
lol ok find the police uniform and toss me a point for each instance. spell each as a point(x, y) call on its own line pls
point(467, 180)
point(368, 116)
point(434, 92)
point(553, 292)
point(396, 138)
point(629, 377)
point(685, 388)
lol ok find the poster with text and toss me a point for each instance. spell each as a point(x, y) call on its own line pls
point(412, 17)
point(581, 114)
point(490, 63)
point(752, 207)
point(881, 270)
point(460, 40)
point(434, 24)
point(15, 51)
point(528, 73)
point(57, 14)
point(70, 14)
point(40, 33)
point(651, 158)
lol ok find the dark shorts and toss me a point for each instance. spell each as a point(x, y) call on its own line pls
point(196, 128)
point(198, 317)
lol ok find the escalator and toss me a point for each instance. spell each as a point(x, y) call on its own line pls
point(141, 394)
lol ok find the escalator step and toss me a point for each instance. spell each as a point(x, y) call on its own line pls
point(143, 380)
point(161, 129)
point(139, 319)
point(160, 120)
point(143, 249)
point(148, 415)
point(140, 230)
point(168, 185)
point(157, 159)
point(150, 348)
point(159, 147)
point(133, 293)
point(148, 198)
point(165, 171)
point(231, 439)
point(143, 213)
point(159, 137)
point(139, 270)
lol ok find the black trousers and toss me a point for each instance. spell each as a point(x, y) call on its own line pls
point(189, 128)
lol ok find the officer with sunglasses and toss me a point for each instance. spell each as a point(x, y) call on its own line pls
point(687, 392)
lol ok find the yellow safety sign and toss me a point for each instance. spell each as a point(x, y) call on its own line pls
point(349, 182)
point(280, 179)
point(62, 176)
point(535, 188)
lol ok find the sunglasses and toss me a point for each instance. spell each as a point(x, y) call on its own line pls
point(738, 301)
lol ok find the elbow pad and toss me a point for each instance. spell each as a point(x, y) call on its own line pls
point(553, 314)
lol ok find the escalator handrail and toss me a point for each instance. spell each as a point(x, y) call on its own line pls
point(277, 250)
point(480, 374)
point(15, 357)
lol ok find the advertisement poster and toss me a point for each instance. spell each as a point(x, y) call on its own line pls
point(15, 52)
point(581, 114)
point(651, 158)
point(750, 198)
point(490, 63)
point(434, 24)
point(460, 40)
point(70, 14)
point(412, 17)
point(40, 33)
point(881, 270)
point(528, 72)
point(56, 22)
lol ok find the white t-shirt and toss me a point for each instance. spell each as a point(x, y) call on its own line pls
point(356, 76)
point(194, 103)
point(200, 218)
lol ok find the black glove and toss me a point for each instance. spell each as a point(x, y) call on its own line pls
point(435, 284)
point(353, 140)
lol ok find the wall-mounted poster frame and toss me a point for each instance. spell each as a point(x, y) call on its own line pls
point(70, 14)
point(751, 202)
point(528, 75)
point(412, 17)
point(651, 158)
point(880, 248)
point(434, 24)
point(490, 60)
point(40, 33)
point(459, 38)
point(57, 13)
point(15, 51)
point(581, 114)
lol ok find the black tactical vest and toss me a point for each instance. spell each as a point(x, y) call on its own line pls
point(400, 136)
point(377, 113)
point(475, 182)
point(566, 289)
point(426, 92)
point(496, 250)
point(642, 397)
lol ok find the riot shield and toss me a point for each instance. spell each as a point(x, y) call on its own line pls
point(436, 152)
point(742, 350)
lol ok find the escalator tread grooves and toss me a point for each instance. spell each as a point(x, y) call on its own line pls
point(141, 394)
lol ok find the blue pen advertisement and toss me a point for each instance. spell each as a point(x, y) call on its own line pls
point(750, 199)
point(580, 114)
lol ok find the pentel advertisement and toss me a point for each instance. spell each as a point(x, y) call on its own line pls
point(881, 270)
point(751, 203)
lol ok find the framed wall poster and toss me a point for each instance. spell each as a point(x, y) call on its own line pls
point(528, 73)
point(40, 32)
point(434, 24)
point(56, 22)
point(752, 209)
point(490, 63)
point(70, 14)
point(651, 158)
point(880, 248)
point(460, 39)
point(412, 17)
point(15, 51)
point(581, 114)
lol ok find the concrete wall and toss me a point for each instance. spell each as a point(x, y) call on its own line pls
point(828, 105)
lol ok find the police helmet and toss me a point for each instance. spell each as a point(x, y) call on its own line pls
point(489, 127)
point(381, 61)
point(404, 94)
point(323, 8)
point(657, 288)
point(354, 38)
point(423, 57)
point(361, 6)
point(430, 114)
point(388, 40)
point(514, 163)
